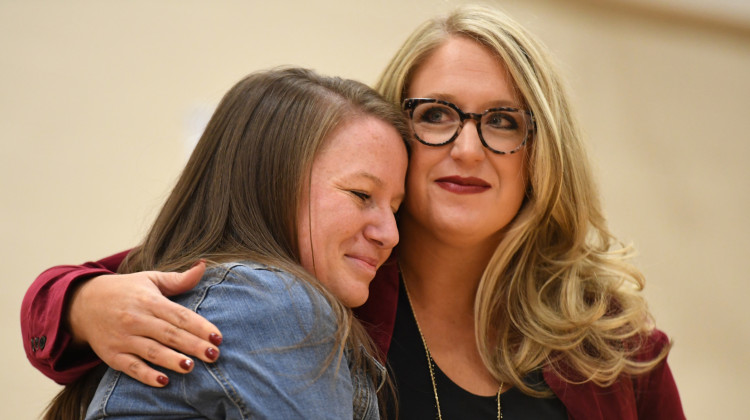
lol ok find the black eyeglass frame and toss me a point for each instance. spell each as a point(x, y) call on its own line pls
point(409, 104)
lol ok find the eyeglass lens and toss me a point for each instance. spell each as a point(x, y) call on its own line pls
point(501, 129)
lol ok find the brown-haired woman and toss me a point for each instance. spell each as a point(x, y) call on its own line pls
point(289, 239)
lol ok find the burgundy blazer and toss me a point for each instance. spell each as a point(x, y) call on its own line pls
point(652, 396)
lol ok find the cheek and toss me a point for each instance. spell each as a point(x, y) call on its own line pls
point(514, 177)
point(414, 188)
point(422, 160)
point(424, 163)
point(341, 222)
point(334, 219)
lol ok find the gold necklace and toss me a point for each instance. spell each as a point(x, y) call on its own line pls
point(430, 361)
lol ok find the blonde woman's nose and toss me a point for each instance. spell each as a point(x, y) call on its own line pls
point(468, 146)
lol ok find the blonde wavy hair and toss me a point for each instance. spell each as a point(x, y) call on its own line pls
point(559, 291)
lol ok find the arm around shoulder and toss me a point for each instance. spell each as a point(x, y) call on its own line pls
point(43, 311)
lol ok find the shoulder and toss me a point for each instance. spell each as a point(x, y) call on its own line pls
point(652, 345)
point(247, 280)
point(279, 338)
point(245, 297)
point(656, 391)
point(651, 395)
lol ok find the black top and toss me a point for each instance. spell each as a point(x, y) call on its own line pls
point(416, 399)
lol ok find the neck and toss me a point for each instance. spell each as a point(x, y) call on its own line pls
point(442, 279)
point(440, 271)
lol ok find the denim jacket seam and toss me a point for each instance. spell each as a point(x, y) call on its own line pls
point(214, 370)
point(220, 277)
point(110, 388)
point(229, 391)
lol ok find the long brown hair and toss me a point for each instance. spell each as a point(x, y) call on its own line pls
point(238, 195)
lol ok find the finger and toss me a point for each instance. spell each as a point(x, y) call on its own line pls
point(160, 355)
point(137, 369)
point(180, 329)
point(171, 284)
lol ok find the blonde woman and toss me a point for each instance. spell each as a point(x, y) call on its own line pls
point(508, 296)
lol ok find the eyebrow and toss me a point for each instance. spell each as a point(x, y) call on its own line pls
point(371, 177)
point(493, 104)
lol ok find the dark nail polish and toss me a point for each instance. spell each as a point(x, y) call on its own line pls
point(211, 353)
point(215, 339)
point(162, 380)
point(186, 364)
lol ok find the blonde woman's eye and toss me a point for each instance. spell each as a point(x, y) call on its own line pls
point(436, 114)
point(500, 121)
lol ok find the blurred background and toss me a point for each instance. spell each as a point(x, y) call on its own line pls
point(101, 103)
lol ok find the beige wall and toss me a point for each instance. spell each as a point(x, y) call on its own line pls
point(99, 102)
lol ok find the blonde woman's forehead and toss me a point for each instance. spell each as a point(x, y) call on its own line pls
point(466, 73)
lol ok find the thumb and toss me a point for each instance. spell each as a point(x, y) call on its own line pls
point(171, 284)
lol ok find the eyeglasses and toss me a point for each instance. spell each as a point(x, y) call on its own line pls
point(436, 123)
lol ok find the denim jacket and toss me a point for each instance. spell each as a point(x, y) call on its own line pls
point(278, 335)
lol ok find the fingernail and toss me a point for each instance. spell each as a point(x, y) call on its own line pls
point(198, 262)
point(186, 364)
point(215, 339)
point(211, 353)
point(162, 380)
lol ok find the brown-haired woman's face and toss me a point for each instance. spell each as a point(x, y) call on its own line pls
point(463, 192)
point(346, 225)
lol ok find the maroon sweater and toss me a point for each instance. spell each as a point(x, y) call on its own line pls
point(652, 396)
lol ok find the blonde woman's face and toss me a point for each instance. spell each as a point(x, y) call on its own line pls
point(347, 227)
point(462, 192)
